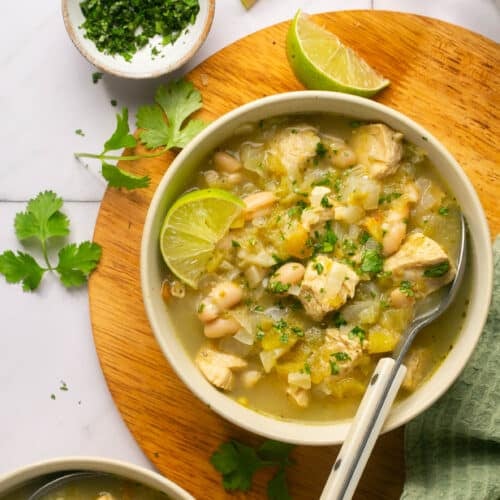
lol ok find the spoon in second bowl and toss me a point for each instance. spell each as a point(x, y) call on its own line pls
point(381, 392)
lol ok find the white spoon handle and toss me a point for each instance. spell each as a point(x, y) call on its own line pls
point(364, 430)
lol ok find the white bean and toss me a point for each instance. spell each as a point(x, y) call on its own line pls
point(290, 273)
point(258, 203)
point(221, 327)
point(224, 162)
point(226, 295)
point(394, 236)
point(207, 310)
point(234, 179)
point(400, 300)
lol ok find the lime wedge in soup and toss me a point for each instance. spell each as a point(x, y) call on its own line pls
point(193, 226)
point(322, 62)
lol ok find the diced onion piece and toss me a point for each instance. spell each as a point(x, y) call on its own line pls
point(244, 336)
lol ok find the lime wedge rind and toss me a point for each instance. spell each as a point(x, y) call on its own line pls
point(321, 62)
point(192, 228)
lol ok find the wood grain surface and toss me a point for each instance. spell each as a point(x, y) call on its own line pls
point(444, 77)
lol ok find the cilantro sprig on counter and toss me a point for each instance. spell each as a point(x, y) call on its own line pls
point(43, 221)
point(238, 462)
point(162, 126)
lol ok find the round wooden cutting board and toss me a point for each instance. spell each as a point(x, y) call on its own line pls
point(444, 77)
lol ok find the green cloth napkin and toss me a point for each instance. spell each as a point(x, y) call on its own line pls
point(452, 450)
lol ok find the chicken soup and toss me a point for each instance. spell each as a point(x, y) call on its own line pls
point(345, 226)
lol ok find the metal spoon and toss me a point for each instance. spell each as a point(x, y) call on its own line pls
point(68, 478)
point(380, 394)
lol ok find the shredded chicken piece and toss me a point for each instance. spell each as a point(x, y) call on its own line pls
point(345, 349)
point(217, 366)
point(417, 363)
point(326, 286)
point(294, 146)
point(300, 396)
point(379, 148)
point(417, 251)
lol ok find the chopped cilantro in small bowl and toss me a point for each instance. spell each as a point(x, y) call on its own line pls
point(143, 39)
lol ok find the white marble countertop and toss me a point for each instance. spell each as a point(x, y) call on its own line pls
point(46, 93)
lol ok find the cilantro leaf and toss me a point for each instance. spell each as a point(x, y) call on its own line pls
point(76, 262)
point(437, 270)
point(184, 136)
point(42, 218)
point(119, 178)
point(155, 129)
point(275, 451)
point(237, 464)
point(162, 124)
point(121, 137)
point(21, 268)
point(372, 262)
point(277, 488)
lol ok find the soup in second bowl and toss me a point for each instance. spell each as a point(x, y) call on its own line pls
point(345, 226)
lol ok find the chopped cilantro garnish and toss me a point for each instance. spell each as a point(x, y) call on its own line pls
point(364, 237)
point(235, 244)
point(437, 270)
point(298, 331)
point(280, 325)
point(349, 247)
point(96, 76)
point(325, 203)
point(355, 124)
point(318, 266)
point(341, 356)
point(260, 334)
point(443, 211)
point(389, 197)
point(338, 320)
point(284, 337)
point(325, 181)
point(278, 287)
point(334, 367)
point(407, 288)
point(113, 102)
point(321, 150)
point(123, 27)
point(297, 209)
point(372, 262)
point(79, 131)
point(358, 332)
point(307, 368)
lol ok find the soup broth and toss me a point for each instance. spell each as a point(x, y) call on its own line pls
point(346, 226)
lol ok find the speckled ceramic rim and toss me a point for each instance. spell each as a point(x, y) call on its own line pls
point(134, 74)
point(15, 479)
point(172, 184)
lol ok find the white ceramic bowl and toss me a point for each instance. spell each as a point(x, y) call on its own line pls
point(142, 65)
point(172, 185)
point(18, 478)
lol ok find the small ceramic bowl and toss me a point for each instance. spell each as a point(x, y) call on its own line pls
point(143, 63)
point(22, 478)
point(479, 267)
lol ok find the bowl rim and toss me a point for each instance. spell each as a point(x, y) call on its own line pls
point(297, 432)
point(96, 61)
point(16, 478)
